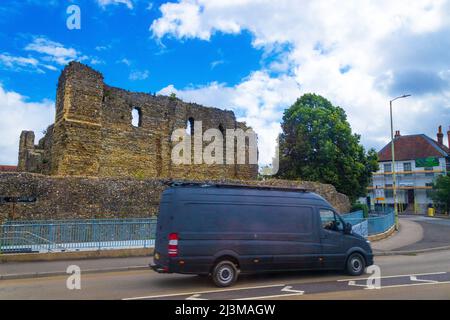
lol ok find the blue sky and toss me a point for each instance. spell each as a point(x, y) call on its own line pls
point(254, 57)
point(116, 41)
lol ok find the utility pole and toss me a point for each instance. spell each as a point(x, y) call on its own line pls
point(394, 176)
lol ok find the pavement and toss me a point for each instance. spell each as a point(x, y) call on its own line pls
point(36, 269)
point(409, 232)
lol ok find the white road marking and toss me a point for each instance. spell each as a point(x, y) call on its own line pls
point(354, 284)
point(201, 292)
point(414, 278)
point(273, 296)
point(413, 284)
point(289, 289)
point(399, 275)
point(195, 297)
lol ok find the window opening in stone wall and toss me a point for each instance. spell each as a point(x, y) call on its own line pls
point(190, 127)
point(224, 143)
point(190, 132)
point(136, 117)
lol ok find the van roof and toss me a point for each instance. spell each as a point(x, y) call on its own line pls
point(188, 189)
point(235, 186)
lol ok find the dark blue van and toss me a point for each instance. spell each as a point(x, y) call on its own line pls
point(222, 230)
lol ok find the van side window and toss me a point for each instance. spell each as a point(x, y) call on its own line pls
point(330, 221)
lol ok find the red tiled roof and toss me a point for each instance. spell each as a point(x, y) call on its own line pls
point(4, 168)
point(413, 147)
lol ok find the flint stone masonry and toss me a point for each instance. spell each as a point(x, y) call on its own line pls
point(93, 197)
point(93, 133)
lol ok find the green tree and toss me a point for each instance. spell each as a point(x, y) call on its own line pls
point(441, 193)
point(317, 144)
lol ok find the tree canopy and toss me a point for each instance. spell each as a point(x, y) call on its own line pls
point(441, 193)
point(317, 144)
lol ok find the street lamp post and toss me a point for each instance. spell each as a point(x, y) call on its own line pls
point(394, 177)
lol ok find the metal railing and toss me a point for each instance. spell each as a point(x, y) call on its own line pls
point(377, 222)
point(76, 235)
point(381, 222)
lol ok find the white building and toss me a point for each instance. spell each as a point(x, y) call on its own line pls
point(418, 161)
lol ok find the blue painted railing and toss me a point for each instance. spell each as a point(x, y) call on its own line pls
point(377, 223)
point(75, 235)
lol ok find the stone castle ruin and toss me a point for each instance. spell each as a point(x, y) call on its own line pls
point(93, 162)
point(93, 134)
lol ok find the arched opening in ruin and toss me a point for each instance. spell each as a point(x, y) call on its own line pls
point(136, 117)
point(190, 126)
point(190, 132)
point(224, 145)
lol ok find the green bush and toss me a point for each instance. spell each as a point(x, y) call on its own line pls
point(360, 206)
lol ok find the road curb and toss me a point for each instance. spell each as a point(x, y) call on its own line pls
point(75, 255)
point(62, 273)
point(407, 252)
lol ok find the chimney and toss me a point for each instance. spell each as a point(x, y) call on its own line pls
point(448, 136)
point(440, 135)
point(397, 133)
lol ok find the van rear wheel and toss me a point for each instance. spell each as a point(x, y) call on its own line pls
point(356, 264)
point(225, 273)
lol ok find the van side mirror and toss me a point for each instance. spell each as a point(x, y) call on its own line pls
point(348, 228)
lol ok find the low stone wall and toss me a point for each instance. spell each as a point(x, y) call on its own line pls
point(78, 197)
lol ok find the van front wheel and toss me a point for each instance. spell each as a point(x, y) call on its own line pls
point(356, 264)
point(224, 273)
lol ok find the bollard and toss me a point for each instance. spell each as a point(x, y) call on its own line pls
point(431, 212)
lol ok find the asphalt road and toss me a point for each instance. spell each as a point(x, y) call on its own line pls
point(423, 276)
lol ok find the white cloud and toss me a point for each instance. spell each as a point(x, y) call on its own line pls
point(17, 114)
point(216, 63)
point(102, 48)
point(139, 75)
point(53, 51)
point(124, 61)
point(19, 64)
point(95, 61)
point(11, 61)
point(104, 3)
point(371, 39)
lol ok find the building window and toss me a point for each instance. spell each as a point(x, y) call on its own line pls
point(388, 192)
point(387, 167)
point(136, 117)
point(429, 174)
point(407, 166)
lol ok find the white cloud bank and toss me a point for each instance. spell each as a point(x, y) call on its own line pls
point(358, 54)
point(17, 114)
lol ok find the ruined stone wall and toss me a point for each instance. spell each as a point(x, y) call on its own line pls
point(93, 133)
point(92, 197)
